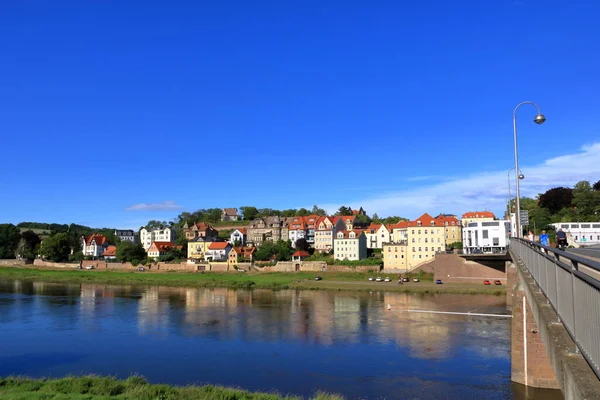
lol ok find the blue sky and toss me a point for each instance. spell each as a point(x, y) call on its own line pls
point(116, 112)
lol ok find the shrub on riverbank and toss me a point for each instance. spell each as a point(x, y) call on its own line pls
point(96, 388)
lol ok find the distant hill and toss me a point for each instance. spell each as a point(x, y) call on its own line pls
point(43, 228)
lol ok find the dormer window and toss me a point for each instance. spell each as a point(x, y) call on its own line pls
point(418, 223)
point(352, 235)
point(432, 223)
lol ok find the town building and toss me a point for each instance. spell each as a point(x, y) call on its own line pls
point(360, 211)
point(238, 237)
point(584, 233)
point(486, 237)
point(302, 228)
point(425, 237)
point(158, 249)
point(217, 251)
point(161, 234)
point(452, 229)
point(377, 235)
point(271, 229)
point(128, 235)
point(395, 256)
point(477, 216)
point(93, 245)
point(198, 248)
point(244, 253)
point(398, 232)
point(230, 214)
point(110, 253)
point(300, 256)
point(199, 229)
point(325, 230)
point(348, 221)
point(350, 245)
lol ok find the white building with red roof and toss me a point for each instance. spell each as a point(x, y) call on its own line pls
point(377, 235)
point(93, 245)
point(477, 216)
point(218, 251)
point(325, 230)
point(350, 245)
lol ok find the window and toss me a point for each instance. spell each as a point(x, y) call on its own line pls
point(402, 255)
point(439, 249)
point(427, 248)
point(596, 226)
point(425, 240)
point(585, 226)
point(419, 231)
point(396, 256)
point(413, 240)
point(484, 234)
point(419, 248)
point(426, 231)
point(575, 226)
point(564, 226)
point(413, 249)
point(493, 223)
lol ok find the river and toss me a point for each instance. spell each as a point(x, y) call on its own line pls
point(289, 341)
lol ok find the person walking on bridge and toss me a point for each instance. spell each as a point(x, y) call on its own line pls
point(544, 239)
point(561, 239)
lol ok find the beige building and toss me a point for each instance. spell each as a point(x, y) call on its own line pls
point(348, 221)
point(425, 237)
point(350, 245)
point(377, 235)
point(200, 229)
point(272, 229)
point(477, 216)
point(395, 256)
point(325, 231)
point(398, 232)
point(452, 229)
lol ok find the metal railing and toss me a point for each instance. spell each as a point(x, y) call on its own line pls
point(572, 286)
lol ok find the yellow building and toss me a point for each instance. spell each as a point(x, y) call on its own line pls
point(198, 248)
point(395, 256)
point(452, 229)
point(477, 216)
point(425, 236)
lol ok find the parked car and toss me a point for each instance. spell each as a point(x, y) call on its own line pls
point(405, 279)
point(439, 282)
point(141, 269)
point(387, 279)
point(486, 282)
point(497, 282)
point(318, 278)
point(378, 279)
point(415, 279)
point(371, 278)
point(89, 267)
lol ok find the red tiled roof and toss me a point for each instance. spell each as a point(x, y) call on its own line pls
point(301, 254)
point(164, 246)
point(243, 230)
point(346, 233)
point(399, 225)
point(99, 239)
point(479, 214)
point(449, 220)
point(110, 251)
point(244, 250)
point(232, 212)
point(374, 226)
point(218, 246)
point(425, 220)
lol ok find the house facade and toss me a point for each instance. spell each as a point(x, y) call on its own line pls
point(198, 248)
point(238, 237)
point(93, 245)
point(398, 232)
point(158, 249)
point(245, 253)
point(395, 256)
point(110, 253)
point(126, 235)
point(218, 251)
point(348, 221)
point(230, 214)
point(350, 245)
point(271, 228)
point(199, 229)
point(452, 229)
point(377, 235)
point(325, 230)
point(425, 236)
point(162, 234)
point(487, 237)
point(477, 216)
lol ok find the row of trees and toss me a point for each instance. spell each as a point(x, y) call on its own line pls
point(562, 204)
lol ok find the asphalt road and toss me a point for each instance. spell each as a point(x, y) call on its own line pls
point(591, 251)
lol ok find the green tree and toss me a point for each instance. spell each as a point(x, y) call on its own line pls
point(289, 212)
point(362, 219)
point(9, 240)
point(318, 211)
point(302, 244)
point(343, 211)
point(56, 248)
point(556, 199)
point(584, 200)
point(249, 213)
point(128, 251)
point(376, 219)
point(28, 245)
point(596, 186)
point(303, 212)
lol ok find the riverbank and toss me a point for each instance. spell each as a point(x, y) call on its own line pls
point(101, 388)
point(273, 280)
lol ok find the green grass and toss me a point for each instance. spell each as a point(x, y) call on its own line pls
point(100, 388)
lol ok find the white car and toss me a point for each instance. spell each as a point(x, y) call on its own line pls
point(378, 279)
point(89, 267)
point(371, 278)
point(387, 279)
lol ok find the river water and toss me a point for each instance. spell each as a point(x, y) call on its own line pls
point(292, 342)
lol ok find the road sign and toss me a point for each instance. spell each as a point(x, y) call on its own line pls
point(524, 217)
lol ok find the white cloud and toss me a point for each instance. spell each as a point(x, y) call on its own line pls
point(484, 191)
point(165, 205)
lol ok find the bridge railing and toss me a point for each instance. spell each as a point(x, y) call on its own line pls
point(571, 285)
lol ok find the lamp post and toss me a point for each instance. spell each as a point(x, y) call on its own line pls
point(539, 119)
point(521, 176)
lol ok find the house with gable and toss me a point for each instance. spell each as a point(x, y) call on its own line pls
point(93, 245)
point(271, 228)
point(110, 253)
point(325, 230)
point(238, 237)
point(296, 230)
point(218, 251)
point(159, 234)
point(477, 216)
point(425, 237)
point(158, 249)
point(230, 214)
point(377, 235)
point(199, 229)
point(350, 245)
point(452, 229)
point(198, 248)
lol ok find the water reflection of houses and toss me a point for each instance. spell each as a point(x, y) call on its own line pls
point(153, 314)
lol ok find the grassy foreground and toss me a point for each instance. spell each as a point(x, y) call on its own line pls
point(347, 281)
point(100, 388)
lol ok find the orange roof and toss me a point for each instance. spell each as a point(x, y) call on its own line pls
point(99, 239)
point(301, 254)
point(218, 246)
point(374, 226)
point(425, 221)
point(399, 225)
point(164, 246)
point(110, 251)
point(479, 214)
point(346, 233)
point(244, 250)
point(243, 230)
point(449, 220)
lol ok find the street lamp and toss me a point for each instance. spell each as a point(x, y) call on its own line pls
point(539, 119)
point(521, 176)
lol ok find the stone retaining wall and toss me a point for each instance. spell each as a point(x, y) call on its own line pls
point(41, 263)
point(11, 262)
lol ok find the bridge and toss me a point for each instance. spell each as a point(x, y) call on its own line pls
point(555, 298)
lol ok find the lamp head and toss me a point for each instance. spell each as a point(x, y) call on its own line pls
point(521, 176)
point(539, 119)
